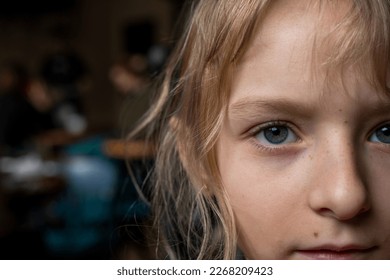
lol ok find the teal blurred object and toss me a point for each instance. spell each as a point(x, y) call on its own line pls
point(88, 147)
point(86, 207)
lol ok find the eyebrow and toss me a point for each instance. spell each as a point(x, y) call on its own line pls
point(250, 107)
point(247, 108)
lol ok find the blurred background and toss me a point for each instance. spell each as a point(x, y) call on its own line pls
point(75, 76)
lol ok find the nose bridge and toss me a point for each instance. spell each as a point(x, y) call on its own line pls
point(341, 191)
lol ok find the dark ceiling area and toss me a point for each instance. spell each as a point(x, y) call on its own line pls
point(28, 8)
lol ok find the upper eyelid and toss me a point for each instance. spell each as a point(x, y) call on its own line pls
point(371, 131)
point(256, 129)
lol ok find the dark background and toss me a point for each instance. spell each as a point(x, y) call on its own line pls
point(99, 33)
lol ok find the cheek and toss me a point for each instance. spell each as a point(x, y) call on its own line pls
point(253, 184)
point(256, 182)
point(267, 197)
point(378, 184)
point(378, 177)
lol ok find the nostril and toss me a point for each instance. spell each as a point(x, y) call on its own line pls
point(326, 212)
point(365, 209)
point(339, 215)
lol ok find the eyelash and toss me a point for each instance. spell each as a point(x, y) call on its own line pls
point(271, 148)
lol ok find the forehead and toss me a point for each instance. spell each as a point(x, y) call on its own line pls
point(296, 31)
point(291, 47)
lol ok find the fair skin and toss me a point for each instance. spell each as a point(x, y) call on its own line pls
point(305, 163)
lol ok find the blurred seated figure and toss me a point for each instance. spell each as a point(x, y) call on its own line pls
point(50, 107)
point(39, 119)
point(132, 73)
point(67, 125)
point(129, 75)
point(20, 120)
point(62, 73)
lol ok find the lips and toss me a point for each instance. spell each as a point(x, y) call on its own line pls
point(331, 252)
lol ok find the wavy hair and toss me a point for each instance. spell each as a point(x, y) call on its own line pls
point(192, 215)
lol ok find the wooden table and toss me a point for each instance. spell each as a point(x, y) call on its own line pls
point(123, 149)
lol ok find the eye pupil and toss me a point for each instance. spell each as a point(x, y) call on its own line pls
point(383, 134)
point(276, 134)
point(385, 131)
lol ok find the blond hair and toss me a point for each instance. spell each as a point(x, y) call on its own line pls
point(192, 214)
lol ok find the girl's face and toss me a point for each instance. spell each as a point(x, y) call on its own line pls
point(306, 164)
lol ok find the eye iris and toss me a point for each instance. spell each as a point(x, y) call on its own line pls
point(276, 134)
point(383, 134)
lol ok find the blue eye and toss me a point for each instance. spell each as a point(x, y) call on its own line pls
point(276, 135)
point(381, 135)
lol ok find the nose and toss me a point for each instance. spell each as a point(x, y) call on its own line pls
point(339, 189)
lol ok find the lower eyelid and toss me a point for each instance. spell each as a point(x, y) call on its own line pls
point(284, 150)
point(381, 147)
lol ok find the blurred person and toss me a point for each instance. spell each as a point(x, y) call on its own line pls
point(62, 72)
point(19, 118)
point(129, 75)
